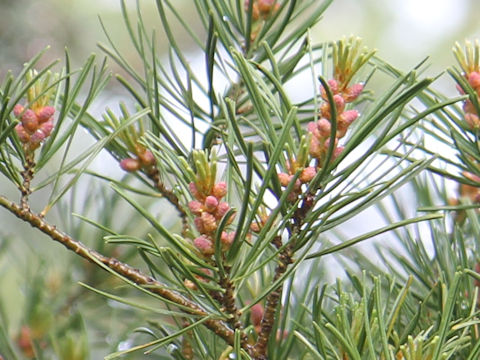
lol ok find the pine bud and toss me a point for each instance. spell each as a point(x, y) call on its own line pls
point(308, 174)
point(211, 203)
point(474, 79)
point(17, 110)
point(227, 240)
point(47, 127)
point(468, 107)
point(353, 92)
point(130, 164)
point(222, 209)
point(315, 148)
point(265, 6)
point(147, 158)
point(339, 103)
point(337, 152)
point(204, 245)
point(284, 179)
point(45, 113)
point(194, 191)
point(29, 121)
point(37, 137)
point(195, 207)
point(219, 190)
point(209, 222)
point(333, 84)
point(199, 225)
point(348, 117)
point(256, 314)
point(23, 136)
point(324, 127)
point(472, 120)
point(312, 127)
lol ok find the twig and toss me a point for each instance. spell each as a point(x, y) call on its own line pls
point(228, 301)
point(154, 175)
point(27, 175)
point(125, 270)
point(285, 259)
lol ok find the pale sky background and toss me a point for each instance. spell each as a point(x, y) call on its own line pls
point(403, 31)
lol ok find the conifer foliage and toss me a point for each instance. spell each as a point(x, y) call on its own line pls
point(210, 241)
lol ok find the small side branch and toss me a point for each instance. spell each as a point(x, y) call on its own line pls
point(153, 175)
point(27, 175)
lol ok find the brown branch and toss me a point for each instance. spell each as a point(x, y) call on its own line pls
point(228, 301)
point(272, 302)
point(154, 175)
point(125, 270)
point(27, 175)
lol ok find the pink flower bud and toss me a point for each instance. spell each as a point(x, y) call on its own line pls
point(130, 164)
point(45, 113)
point(348, 117)
point(474, 79)
point(47, 127)
point(308, 174)
point(265, 6)
point(298, 185)
point(256, 314)
point(470, 176)
point(315, 148)
point(284, 179)
point(313, 128)
point(325, 110)
point(194, 191)
point(204, 245)
point(199, 225)
point(337, 152)
point(324, 127)
point(211, 203)
point(219, 190)
point(195, 207)
point(37, 137)
point(147, 158)
point(17, 110)
point(209, 222)
point(468, 107)
point(353, 92)
point(472, 120)
point(326, 144)
point(333, 84)
point(222, 209)
point(339, 103)
point(23, 136)
point(29, 121)
point(227, 240)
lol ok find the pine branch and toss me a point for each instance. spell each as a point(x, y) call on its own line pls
point(125, 270)
point(27, 175)
point(285, 259)
point(153, 174)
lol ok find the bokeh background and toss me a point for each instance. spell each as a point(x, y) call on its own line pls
point(403, 31)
